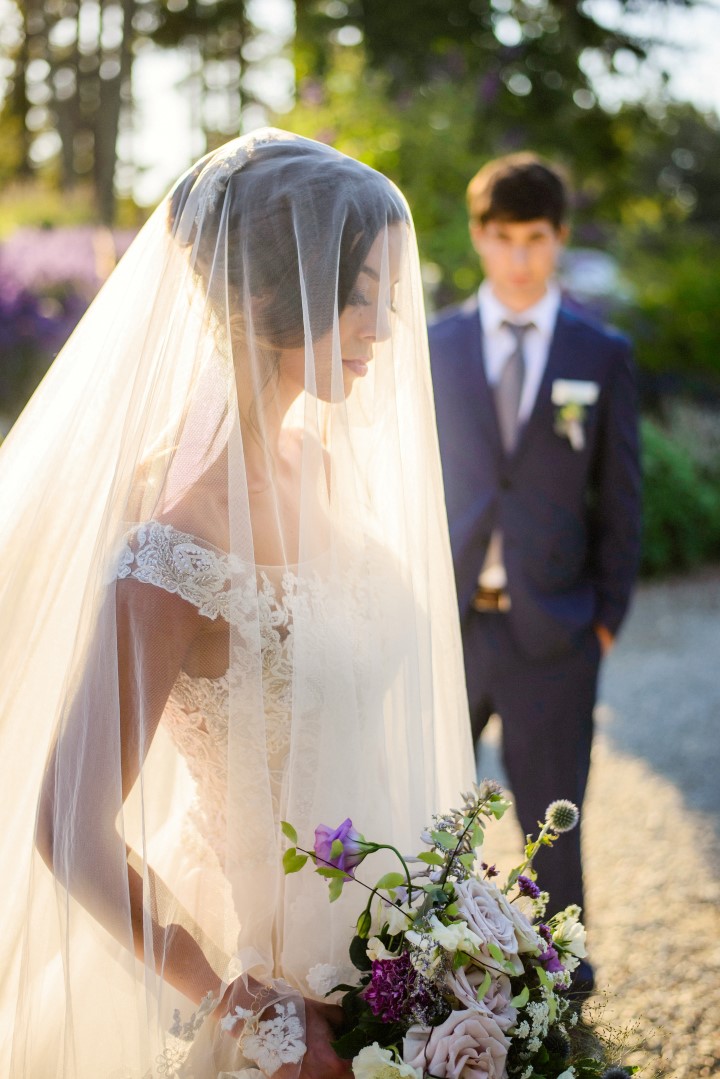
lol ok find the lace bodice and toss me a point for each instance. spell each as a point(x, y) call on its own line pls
point(221, 586)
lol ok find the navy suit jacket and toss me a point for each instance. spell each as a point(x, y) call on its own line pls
point(570, 519)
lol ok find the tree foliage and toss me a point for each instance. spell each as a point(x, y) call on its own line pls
point(70, 89)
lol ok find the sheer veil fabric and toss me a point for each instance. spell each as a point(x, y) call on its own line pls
point(227, 600)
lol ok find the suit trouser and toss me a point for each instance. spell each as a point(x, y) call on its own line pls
point(546, 708)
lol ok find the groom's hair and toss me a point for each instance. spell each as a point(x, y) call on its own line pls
point(518, 187)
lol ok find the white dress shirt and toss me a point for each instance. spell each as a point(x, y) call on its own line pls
point(498, 343)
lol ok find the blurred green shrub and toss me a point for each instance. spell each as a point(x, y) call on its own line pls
point(673, 315)
point(681, 505)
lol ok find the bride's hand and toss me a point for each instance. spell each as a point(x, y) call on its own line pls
point(322, 1026)
point(323, 1023)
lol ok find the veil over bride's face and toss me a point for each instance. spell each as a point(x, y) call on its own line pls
point(362, 324)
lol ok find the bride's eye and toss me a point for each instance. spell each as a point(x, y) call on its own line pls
point(358, 299)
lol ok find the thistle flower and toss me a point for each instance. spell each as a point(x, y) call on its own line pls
point(562, 815)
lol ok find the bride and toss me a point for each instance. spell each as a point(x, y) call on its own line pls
point(227, 601)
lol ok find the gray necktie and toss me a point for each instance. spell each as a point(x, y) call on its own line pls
point(508, 389)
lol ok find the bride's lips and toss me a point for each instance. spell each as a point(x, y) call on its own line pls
point(358, 367)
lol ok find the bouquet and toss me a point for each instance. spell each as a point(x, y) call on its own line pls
point(460, 976)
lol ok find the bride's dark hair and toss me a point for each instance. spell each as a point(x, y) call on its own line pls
point(290, 225)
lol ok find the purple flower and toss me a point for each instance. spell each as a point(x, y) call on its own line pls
point(546, 933)
point(354, 847)
point(550, 960)
point(391, 984)
point(528, 887)
point(396, 992)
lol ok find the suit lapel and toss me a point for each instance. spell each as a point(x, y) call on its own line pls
point(542, 412)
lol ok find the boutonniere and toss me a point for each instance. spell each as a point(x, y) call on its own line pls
point(572, 398)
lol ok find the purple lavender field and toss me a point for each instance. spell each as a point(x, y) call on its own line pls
point(48, 277)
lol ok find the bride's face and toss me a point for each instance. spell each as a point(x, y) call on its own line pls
point(364, 321)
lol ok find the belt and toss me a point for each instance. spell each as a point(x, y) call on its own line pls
point(490, 599)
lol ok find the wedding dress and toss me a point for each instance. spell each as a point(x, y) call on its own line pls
point(227, 601)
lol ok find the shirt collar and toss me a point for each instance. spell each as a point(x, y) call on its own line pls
point(543, 313)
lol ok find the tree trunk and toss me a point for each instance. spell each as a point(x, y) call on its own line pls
point(107, 120)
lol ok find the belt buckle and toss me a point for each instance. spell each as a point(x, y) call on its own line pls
point(491, 600)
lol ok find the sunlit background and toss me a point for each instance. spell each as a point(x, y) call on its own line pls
point(105, 102)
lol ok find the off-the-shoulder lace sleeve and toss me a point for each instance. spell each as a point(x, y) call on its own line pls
point(160, 555)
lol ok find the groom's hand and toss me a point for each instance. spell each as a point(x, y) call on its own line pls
point(322, 1025)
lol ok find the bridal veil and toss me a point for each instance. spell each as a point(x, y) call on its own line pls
point(226, 600)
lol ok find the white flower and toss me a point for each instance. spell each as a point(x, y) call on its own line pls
point(425, 955)
point(372, 1062)
point(569, 1073)
point(322, 978)
point(569, 932)
point(457, 937)
point(396, 918)
point(377, 950)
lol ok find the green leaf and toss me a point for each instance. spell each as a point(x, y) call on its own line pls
point(292, 861)
point(389, 881)
point(459, 960)
point(499, 809)
point(446, 840)
point(363, 924)
point(484, 986)
point(433, 891)
point(288, 831)
point(477, 837)
point(496, 953)
point(335, 889)
point(552, 1008)
point(337, 848)
point(543, 978)
point(431, 857)
point(350, 1044)
point(331, 872)
point(358, 954)
point(468, 860)
point(452, 910)
point(522, 998)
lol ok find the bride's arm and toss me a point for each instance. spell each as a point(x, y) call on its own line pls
point(94, 764)
point(96, 760)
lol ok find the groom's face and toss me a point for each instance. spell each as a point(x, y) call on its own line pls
point(518, 257)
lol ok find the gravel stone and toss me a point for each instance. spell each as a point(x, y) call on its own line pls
point(651, 829)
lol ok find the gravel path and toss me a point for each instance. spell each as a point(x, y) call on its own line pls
point(652, 828)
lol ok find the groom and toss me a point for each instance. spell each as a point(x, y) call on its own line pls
point(537, 419)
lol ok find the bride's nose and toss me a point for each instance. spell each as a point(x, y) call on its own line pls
point(376, 324)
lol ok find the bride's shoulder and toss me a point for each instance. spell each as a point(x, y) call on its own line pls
point(181, 546)
point(195, 512)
